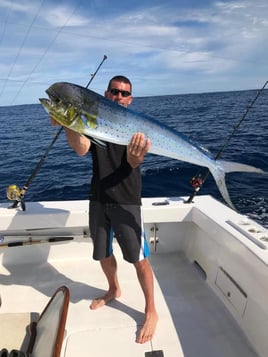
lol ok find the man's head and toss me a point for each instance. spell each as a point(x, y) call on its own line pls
point(119, 90)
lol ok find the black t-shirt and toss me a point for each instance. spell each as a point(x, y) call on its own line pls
point(114, 180)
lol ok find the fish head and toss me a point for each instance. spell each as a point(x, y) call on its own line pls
point(64, 113)
point(67, 103)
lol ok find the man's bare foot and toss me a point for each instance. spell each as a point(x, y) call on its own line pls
point(147, 331)
point(104, 300)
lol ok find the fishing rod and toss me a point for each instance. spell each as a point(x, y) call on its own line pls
point(14, 193)
point(32, 241)
point(197, 181)
point(94, 74)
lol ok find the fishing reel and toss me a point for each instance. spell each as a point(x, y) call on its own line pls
point(196, 182)
point(14, 193)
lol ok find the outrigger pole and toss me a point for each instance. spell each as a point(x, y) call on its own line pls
point(197, 181)
point(13, 191)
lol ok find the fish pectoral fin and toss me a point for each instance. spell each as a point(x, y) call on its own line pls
point(98, 142)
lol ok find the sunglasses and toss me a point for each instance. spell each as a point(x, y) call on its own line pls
point(124, 93)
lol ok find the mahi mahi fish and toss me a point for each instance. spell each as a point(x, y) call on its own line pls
point(97, 117)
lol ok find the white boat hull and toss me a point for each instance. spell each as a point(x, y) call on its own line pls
point(211, 279)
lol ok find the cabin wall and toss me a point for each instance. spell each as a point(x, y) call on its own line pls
point(235, 274)
point(167, 237)
point(42, 253)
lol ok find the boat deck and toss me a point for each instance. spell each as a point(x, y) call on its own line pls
point(192, 320)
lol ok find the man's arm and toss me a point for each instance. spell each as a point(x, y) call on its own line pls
point(79, 143)
point(137, 149)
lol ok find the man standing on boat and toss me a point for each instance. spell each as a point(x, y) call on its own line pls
point(115, 207)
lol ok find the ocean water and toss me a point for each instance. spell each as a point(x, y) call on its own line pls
point(208, 119)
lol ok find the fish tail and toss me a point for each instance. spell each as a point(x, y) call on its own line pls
point(219, 170)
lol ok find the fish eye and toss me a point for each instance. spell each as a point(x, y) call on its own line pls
point(54, 99)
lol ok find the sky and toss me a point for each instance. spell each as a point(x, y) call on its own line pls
point(164, 47)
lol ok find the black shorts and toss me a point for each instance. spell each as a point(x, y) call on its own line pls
point(122, 221)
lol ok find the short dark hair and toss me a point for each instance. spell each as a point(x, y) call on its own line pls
point(120, 79)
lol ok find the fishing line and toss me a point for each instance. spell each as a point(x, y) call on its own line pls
point(44, 54)
point(21, 48)
point(197, 181)
point(13, 192)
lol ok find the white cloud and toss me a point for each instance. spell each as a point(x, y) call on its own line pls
point(22, 6)
point(206, 44)
point(60, 16)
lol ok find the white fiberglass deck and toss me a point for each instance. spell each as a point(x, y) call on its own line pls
point(191, 317)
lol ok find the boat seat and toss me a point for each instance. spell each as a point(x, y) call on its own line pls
point(48, 332)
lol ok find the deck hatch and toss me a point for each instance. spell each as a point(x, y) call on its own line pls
point(231, 290)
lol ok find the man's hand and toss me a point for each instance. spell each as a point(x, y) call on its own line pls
point(137, 148)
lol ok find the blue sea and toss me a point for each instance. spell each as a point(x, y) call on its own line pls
point(207, 118)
